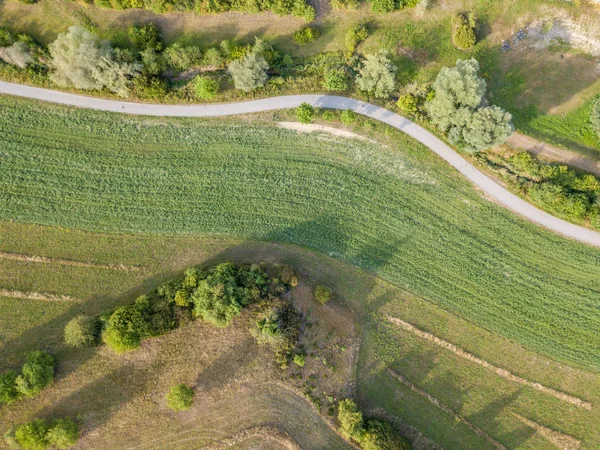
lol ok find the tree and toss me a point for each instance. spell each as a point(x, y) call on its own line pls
point(305, 113)
point(323, 294)
point(206, 88)
point(250, 71)
point(380, 435)
point(82, 331)
point(463, 35)
point(377, 75)
point(335, 80)
point(183, 57)
point(18, 54)
point(350, 419)
point(146, 36)
point(457, 109)
point(125, 329)
point(32, 435)
point(63, 433)
point(408, 103)
point(8, 387)
point(213, 58)
point(80, 60)
point(36, 374)
point(180, 397)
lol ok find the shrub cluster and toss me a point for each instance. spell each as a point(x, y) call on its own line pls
point(464, 28)
point(355, 36)
point(278, 326)
point(206, 88)
point(377, 75)
point(554, 188)
point(305, 113)
point(36, 374)
point(323, 294)
point(41, 434)
point(372, 434)
point(335, 80)
point(387, 6)
point(306, 35)
point(83, 331)
point(180, 397)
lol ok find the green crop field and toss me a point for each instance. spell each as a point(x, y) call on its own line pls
point(392, 209)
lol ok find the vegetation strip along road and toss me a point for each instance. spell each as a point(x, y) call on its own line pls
point(489, 186)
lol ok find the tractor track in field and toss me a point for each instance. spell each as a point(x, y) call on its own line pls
point(67, 262)
point(492, 189)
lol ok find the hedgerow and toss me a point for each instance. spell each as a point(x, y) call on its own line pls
point(40, 434)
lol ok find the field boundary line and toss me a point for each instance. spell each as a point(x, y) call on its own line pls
point(434, 401)
point(506, 374)
point(487, 184)
point(38, 296)
point(66, 262)
point(561, 440)
point(265, 432)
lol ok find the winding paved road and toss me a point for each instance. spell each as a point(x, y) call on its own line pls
point(486, 184)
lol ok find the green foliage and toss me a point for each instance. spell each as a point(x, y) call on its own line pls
point(6, 38)
point(300, 360)
point(345, 4)
point(182, 57)
point(32, 435)
point(82, 331)
point(125, 329)
point(456, 109)
point(335, 80)
point(213, 58)
point(408, 103)
point(63, 433)
point(226, 290)
point(323, 294)
point(206, 88)
point(153, 62)
point(355, 36)
point(278, 326)
point(36, 373)
point(350, 419)
point(8, 387)
point(145, 37)
point(305, 113)
point(595, 116)
point(306, 35)
point(377, 75)
point(383, 6)
point(150, 87)
point(182, 298)
point(250, 71)
point(380, 435)
point(180, 397)
point(348, 117)
point(463, 34)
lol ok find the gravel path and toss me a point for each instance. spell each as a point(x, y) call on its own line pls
point(486, 184)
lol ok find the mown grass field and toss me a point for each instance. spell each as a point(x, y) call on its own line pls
point(235, 390)
point(394, 210)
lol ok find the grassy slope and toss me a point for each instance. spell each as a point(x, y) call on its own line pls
point(398, 212)
point(132, 387)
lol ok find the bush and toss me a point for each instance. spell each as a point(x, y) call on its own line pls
point(18, 54)
point(213, 58)
point(36, 374)
point(82, 331)
point(182, 298)
point(335, 80)
point(250, 71)
point(125, 329)
point(300, 360)
point(463, 35)
point(8, 387)
point(380, 435)
point(355, 36)
point(383, 6)
point(145, 37)
point(305, 113)
point(348, 117)
point(32, 435)
point(226, 290)
point(306, 35)
point(350, 419)
point(182, 57)
point(149, 87)
point(408, 103)
point(323, 294)
point(206, 88)
point(328, 115)
point(377, 75)
point(180, 397)
point(63, 433)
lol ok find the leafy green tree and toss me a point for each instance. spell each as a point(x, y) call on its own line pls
point(125, 329)
point(146, 36)
point(488, 126)
point(206, 88)
point(250, 71)
point(182, 57)
point(63, 433)
point(306, 35)
point(463, 35)
point(82, 331)
point(383, 6)
point(408, 103)
point(335, 80)
point(36, 374)
point(213, 58)
point(305, 113)
point(380, 435)
point(350, 419)
point(32, 435)
point(8, 387)
point(180, 397)
point(377, 75)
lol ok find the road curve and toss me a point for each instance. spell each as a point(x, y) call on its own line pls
point(485, 183)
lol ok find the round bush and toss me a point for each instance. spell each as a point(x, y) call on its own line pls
point(180, 397)
point(206, 88)
point(8, 387)
point(82, 331)
point(335, 80)
point(63, 433)
point(348, 117)
point(305, 113)
point(306, 35)
point(323, 294)
point(36, 374)
point(125, 329)
point(32, 435)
